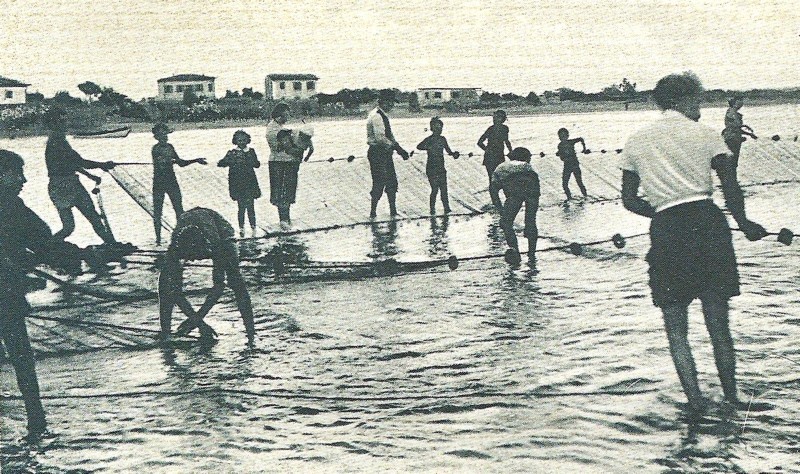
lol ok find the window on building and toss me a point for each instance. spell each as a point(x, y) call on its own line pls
point(282, 85)
point(298, 86)
point(178, 88)
point(437, 95)
point(199, 87)
point(310, 85)
point(168, 89)
point(427, 95)
point(455, 94)
point(9, 94)
point(210, 87)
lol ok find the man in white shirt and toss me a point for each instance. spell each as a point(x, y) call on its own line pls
point(381, 147)
point(691, 254)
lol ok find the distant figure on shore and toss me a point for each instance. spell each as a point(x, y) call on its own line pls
point(493, 143)
point(382, 146)
point(520, 185)
point(242, 181)
point(201, 234)
point(691, 254)
point(436, 145)
point(283, 165)
point(24, 241)
point(566, 151)
point(64, 187)
point(164, 180)
point(735, 129)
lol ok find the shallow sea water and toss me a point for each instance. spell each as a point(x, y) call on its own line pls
point(561, 366)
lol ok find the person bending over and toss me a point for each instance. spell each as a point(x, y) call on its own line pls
point(201, 234)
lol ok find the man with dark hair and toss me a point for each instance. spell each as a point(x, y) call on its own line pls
point(25, 240)
point(691, 254)
point(382, 145)
point(200, 234)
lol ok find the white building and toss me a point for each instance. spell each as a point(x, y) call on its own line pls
point(12, 92)
point(290, 86)
point(173, 87)
point(440, 95)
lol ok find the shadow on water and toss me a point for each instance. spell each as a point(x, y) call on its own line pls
point(438, 242)
point(384, 239)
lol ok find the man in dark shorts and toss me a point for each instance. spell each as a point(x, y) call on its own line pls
point(382, 146)
point(64, 187)
point(691, 254)
point(25, 240)
point(200, 234)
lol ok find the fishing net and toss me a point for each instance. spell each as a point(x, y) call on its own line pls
point(333, 194)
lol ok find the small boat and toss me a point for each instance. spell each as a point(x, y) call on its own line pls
point(121, 132)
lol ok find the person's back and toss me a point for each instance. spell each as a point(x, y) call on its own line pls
point(517, 178)
point(671, 170)
point(520, 184)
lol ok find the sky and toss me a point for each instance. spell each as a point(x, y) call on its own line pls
point(499, 46)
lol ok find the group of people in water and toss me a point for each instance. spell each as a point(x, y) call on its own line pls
point(670, 160)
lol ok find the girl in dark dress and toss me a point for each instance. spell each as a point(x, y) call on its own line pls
point(242, 181)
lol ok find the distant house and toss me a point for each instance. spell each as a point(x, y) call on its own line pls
point(440, 95)
point(290, 86)
point(173, 87)
point(12, 92)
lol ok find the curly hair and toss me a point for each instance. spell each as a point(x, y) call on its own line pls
point(671, 89)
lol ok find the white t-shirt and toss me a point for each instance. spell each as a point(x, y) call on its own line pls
point(672, 157)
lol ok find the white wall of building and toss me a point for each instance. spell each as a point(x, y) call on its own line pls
point(290, 88)
point(12, 95)
point(431, 96)
point(173, 90)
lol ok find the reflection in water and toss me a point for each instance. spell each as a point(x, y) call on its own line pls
point(384, 237)
point(438, 243)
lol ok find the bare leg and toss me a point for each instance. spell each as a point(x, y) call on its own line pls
point(158, 207)
point(579, 179)
point(445, 197)
point(715, 310)
point(510, 210)
point(67, 223)
point(242, 209)
point(86, 207)
point(392, 203)
point(21, 357)
point(565, 175)
point(251, 213)
point(434, 192)
point(677, 326)
point(176, 198)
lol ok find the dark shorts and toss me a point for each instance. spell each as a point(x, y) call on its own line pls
point(67, 192)
point(691, 253)
point(381, 167)
point(437, 179)
point(282, 182)
point(165, 184)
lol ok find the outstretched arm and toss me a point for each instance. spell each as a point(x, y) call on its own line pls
point(734, 198)
point(630, 195)
point(580, 140)
point(310, 150)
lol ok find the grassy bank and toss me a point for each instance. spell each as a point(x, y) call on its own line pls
point(95, 120)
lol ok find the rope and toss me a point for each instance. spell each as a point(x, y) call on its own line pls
point(302, 396)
